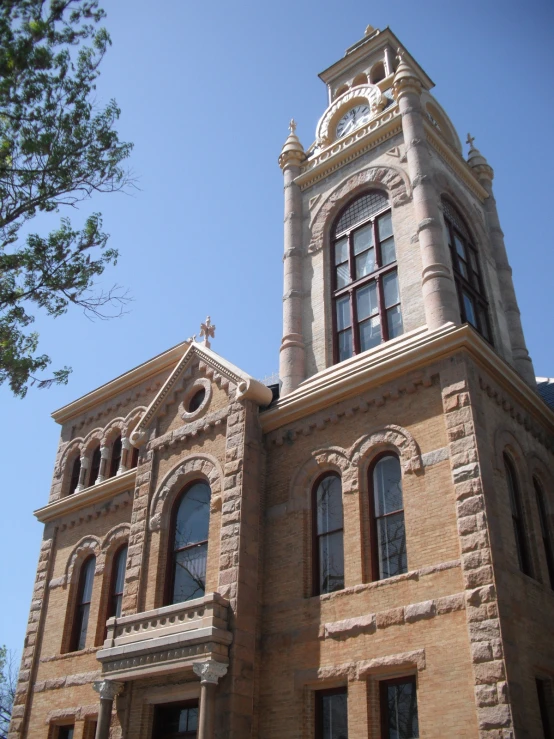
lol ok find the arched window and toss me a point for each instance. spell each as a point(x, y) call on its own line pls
point(328, 555)
point(82, 607)
point(389, 534)
point(360, 79)
point(117, 582)
point(94, 466)
point(365, 280)
point(545, 530)
point(75, 473)
point(377, 73)
point(517, 516)
point(189, 544)
point(467, 272)
point(116, 456)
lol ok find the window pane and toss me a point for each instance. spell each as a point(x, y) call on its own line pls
point(365, 263)
point(391, 542)
point(329, 504)
point(362, 208)
point(384, 224)
point(345, 345)
point(473, 260)
point(483, 327)
point(190, 573)
point(334, 711)
point(341, 251)
point(370, 333)
point(363, 239)
point(65, 732)
point(388, 252)
point(343, 275)
point(460, 248)
point(343, 313)
point(366, 301)
point(390, 288)
point(88, 579)
point(462, 268)
point(469, 309)
point(402, 711)
point(82, 626)
point(331, 562)
point(394, 322)
point(193, 516)
point(387, 483)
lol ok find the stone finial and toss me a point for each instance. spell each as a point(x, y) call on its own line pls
point(210, 671)
point(207, 331)
point(477, 161)
point(369, 30)
point(405, 79)
point(292, 152)
point(108, 689)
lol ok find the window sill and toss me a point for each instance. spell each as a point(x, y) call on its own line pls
point(88, 496)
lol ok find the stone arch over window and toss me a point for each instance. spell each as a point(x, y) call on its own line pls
point(390, 438)
point(74, 447)
point(359, 79)
point(342, 89)
point(84, 548)
point(321, 462)
point(198, 466)
point(377, 73)
point(390, 180)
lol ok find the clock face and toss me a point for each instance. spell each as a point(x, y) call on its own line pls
point(355, 118)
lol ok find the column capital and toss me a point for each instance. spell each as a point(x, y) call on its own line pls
point(210, 671)
point(104, 452)
point(108, 689)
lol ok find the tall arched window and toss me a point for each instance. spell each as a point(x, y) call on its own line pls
point(389, 534)
point(517, 516)
point(94, 466)
point(82, 606)
point(75, 473)
point(467, 272)
point(116, 456)
point(377, 73)
point(545, 530)
point(117, 582)
point(189, 544)
point(365, 280)
point(328, 555)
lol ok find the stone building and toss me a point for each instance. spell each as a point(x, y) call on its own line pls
point(365, 551)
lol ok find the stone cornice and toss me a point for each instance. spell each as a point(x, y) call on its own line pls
point(455, 162)
point(89, 496)
point(341, 152)
point(388, 361)
point(121, 384)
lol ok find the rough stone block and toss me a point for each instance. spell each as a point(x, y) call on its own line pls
point(418, 611)
point(494, 717)
point(393, 617)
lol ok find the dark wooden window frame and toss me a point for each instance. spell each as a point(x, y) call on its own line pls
point(115, 460)
point(171, 560)
point(318, 706)
point(194, 703)
point(546, 535)
point(77, 620)
point(516, 508)
point(95, 462)
point(376, 276)
point(75, 475)
point(383, 700)
point(112, 594)
point(315, 536)
point(134, 457)
point(473, 283)
point(374, 541)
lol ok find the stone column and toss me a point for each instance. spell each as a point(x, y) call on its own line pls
point(209, 673)
point(291, 361)
point(107, 690)
point(520, 356)
point(85, 461)
point(125, 450)
point(388, 61)
point(104, 455)
point(440, 300)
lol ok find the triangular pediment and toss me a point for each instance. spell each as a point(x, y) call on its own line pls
point(239, 384)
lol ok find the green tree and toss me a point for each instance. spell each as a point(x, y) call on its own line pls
point(8, 682)
point(57, 148)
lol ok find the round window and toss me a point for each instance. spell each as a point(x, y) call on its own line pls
point(196, 401)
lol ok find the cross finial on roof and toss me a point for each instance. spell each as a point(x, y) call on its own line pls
point(207, 331)
point(400, 54)
point(292, 125)
point(470, 140)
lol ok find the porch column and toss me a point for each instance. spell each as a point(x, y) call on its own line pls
point(209, 673)
point(107, 690)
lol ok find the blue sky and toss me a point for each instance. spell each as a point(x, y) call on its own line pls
point(206, 91)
